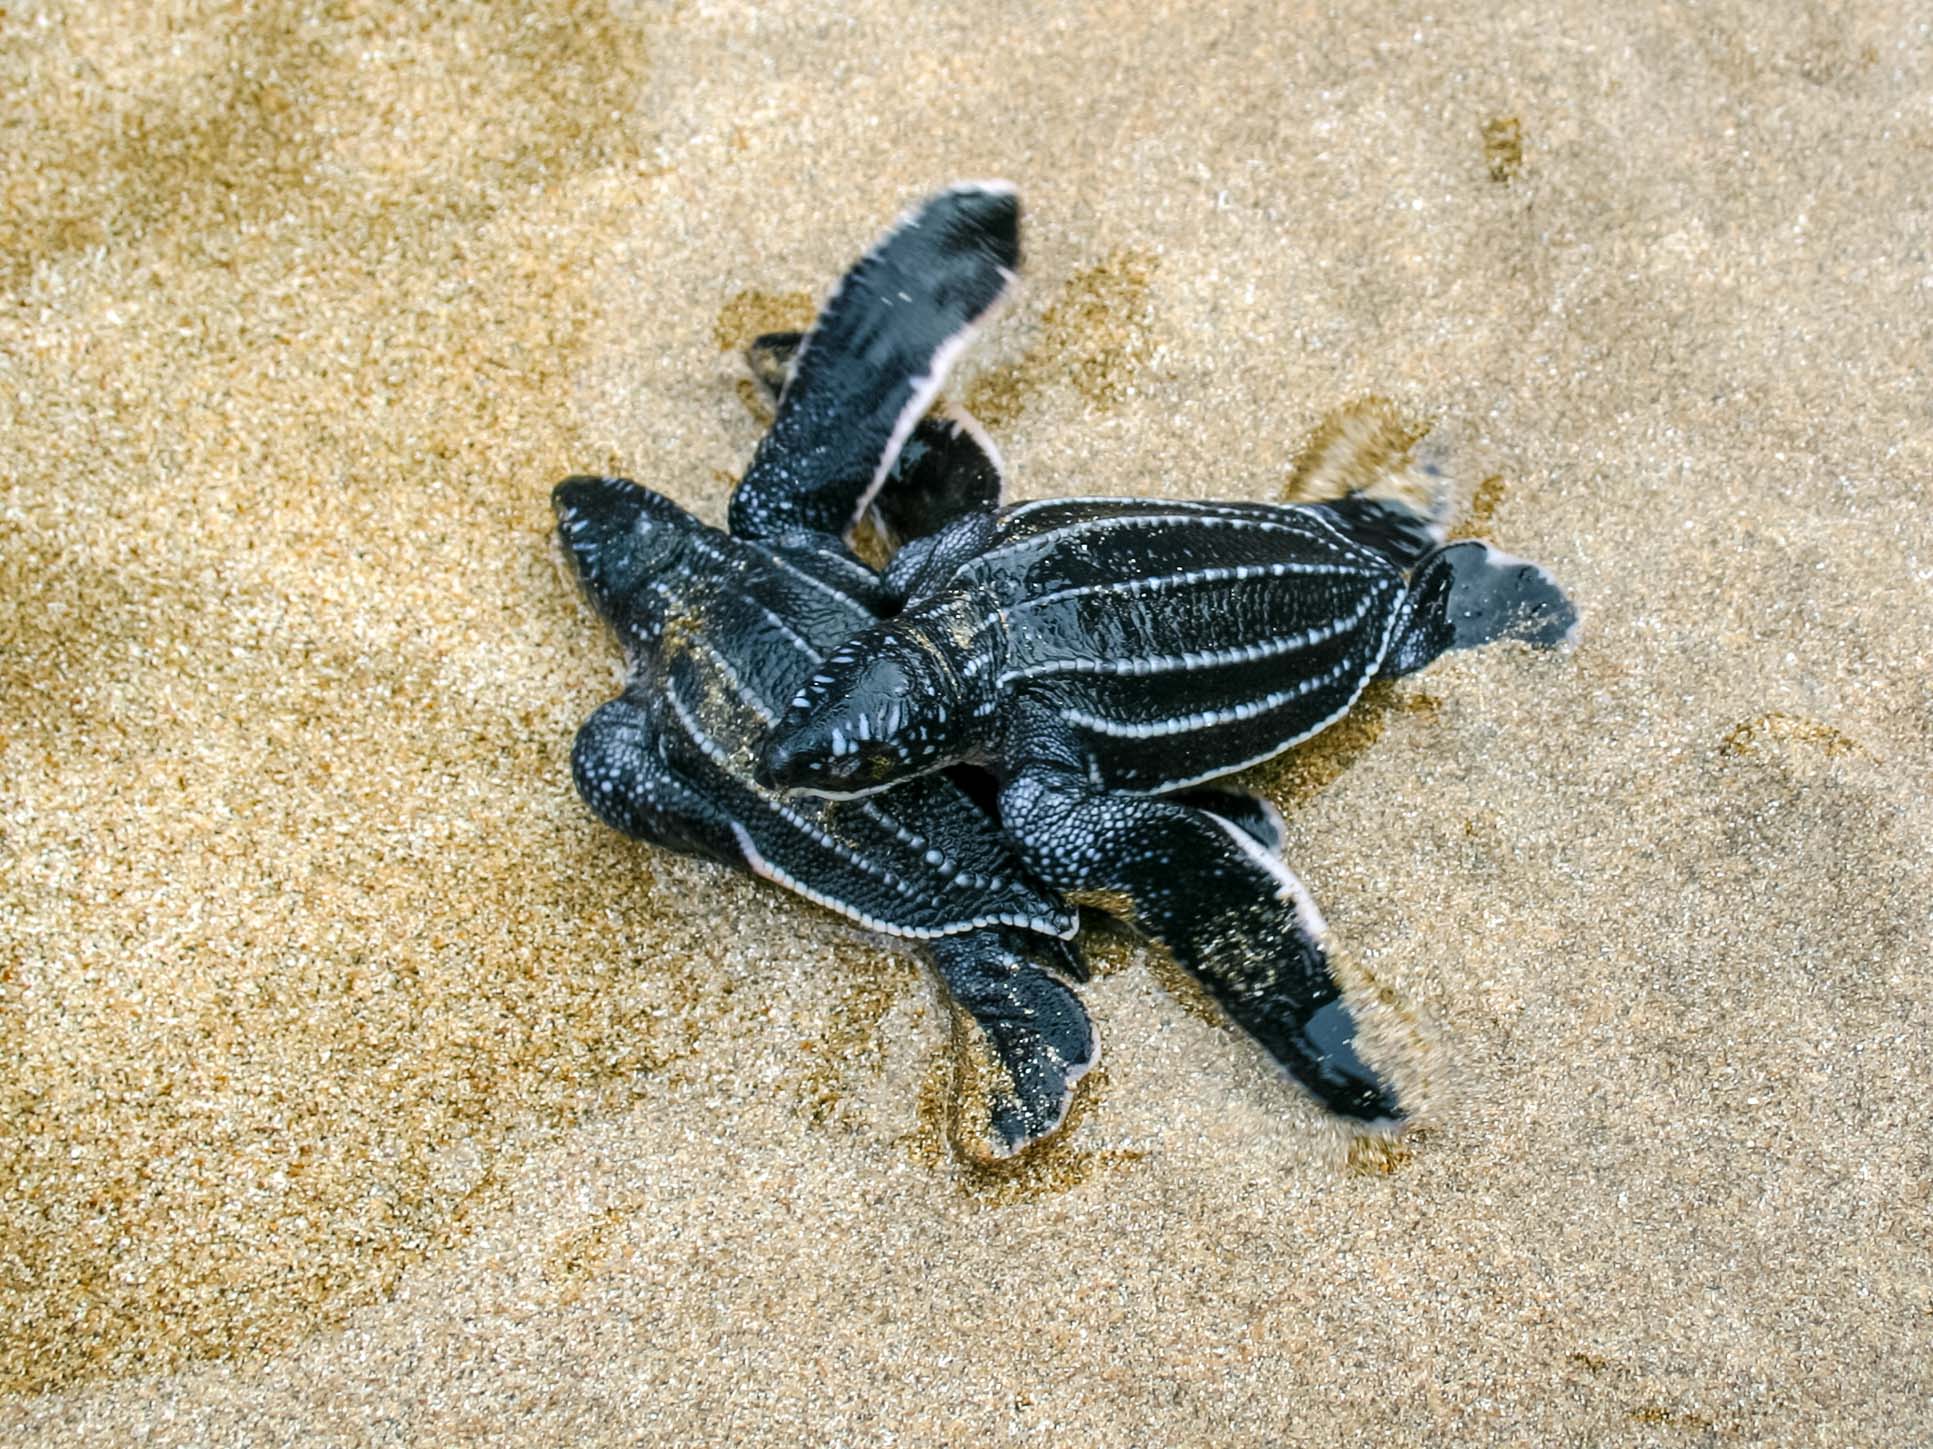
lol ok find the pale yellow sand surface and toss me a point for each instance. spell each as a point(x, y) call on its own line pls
point(355, 1086)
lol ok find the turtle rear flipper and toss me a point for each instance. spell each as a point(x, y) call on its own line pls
point(1468, 594)
point(874, 360)
point(1025, 1039)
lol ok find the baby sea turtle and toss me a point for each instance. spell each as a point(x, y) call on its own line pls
point(1106, 656)
point(722, 629)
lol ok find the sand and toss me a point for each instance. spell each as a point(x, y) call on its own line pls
point(355, 1086)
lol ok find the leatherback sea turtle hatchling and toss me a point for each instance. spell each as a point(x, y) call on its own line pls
point(1106, 656)
point(722, 629)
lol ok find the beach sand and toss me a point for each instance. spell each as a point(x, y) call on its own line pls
point(356, 1086)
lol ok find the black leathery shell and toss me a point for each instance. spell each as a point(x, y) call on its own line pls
point(1183, 641)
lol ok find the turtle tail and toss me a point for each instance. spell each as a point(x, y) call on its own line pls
point(1364, 468)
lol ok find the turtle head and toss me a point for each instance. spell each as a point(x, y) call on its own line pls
point(890, 703)
point(618, 536)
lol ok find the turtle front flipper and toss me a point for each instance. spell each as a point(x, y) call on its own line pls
point(1024, 1038)
point(947, 467)
point(1232, 915)
point(1469, 594)
point(873, 362)
point(618, 766)
point(924, 566)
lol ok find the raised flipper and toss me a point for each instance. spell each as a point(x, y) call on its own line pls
point(1258, 817)
point(619, 768)
point(1469, 593)
point(1024, 1036)
point(1231, 914)
point(871, 365)
point(1388, 527)
point(947, 467)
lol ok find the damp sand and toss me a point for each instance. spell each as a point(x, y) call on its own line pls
point(355, 1086)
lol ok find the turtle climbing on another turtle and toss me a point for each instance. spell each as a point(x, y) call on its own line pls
point(1105, 657)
